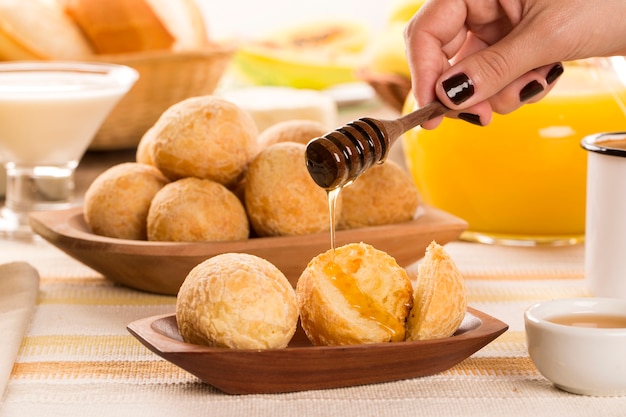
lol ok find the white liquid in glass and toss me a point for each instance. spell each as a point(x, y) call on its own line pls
point(49, 118)
point(49, 113)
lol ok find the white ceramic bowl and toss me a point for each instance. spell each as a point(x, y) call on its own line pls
point(581, 360)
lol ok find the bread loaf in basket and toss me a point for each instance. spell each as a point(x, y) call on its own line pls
point(166, 41)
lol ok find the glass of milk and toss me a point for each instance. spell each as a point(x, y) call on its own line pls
point(49, 113)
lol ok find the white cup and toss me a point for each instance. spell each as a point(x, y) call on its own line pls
point(605, 229)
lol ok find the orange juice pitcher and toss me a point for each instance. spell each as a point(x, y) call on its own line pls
point(521, 179)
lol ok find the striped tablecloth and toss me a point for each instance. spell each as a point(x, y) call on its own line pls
point(77, 359)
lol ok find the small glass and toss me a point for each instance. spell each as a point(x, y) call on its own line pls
point(49, 113)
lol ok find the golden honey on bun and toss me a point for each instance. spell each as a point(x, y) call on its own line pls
point(354, 294)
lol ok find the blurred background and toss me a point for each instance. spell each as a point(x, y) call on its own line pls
point(250, 19)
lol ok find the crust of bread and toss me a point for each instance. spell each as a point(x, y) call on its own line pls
point(118, 200)
point(119, 26)
point(384, 194)
point(295, 130)
point(204, 137)
point(183, 19)
point(280, 196)
point(237, 301)
point(440, 297)
point(193, 209)
point(56, 36)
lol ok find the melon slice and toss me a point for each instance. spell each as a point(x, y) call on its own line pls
point(317, 55)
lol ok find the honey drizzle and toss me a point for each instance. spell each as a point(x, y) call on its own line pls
point(348, 285)
point(367, 307)
point(333, 195)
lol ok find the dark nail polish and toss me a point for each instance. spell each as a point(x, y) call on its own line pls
point(554, 73)
point(470, 118)
point(530, 90)
point(458, 88)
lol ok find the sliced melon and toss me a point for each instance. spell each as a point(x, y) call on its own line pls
point(388, 52)
point(317, 55)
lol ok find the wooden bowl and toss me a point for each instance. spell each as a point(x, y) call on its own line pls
point(161, 267)
point(165, 78)
point(392, 89)
point(302, 366)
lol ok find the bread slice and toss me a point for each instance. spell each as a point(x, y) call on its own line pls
point(184, 20)
point(39, 29)
point(120, 26)
point(439, 298)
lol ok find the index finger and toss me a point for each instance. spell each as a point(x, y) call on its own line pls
point(438, 32)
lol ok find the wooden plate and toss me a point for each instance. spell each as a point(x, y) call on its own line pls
point(161, 267)
point(302, 366)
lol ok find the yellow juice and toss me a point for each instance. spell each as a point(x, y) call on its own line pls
point(523, 176)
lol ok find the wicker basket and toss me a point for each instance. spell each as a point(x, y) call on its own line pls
point(164, 79)
point(391, 88)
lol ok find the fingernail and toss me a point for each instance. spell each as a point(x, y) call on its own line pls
point(530, 90)
point(458, 88)
point(470, 118)
point(554, 73)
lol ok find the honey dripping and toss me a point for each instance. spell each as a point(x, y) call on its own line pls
point(338, 158)
point(334, 161)
point(367, 307)
point(332, 210)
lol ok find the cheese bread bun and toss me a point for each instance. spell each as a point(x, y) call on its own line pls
point(237, 301)
point(118, 200)
point(280, 196)
point(297, 130)
point(143, 154)
point(440, 298)
point(354, 294)
point(204, 137)
point(384, 194)
point(196, 210)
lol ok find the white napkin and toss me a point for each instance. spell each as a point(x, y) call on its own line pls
point(19, 285)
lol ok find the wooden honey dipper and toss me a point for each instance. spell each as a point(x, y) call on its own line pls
point(339, 157)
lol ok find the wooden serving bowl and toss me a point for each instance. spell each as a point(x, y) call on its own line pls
point(302, 366)
point(393, 89)
point(161, 267)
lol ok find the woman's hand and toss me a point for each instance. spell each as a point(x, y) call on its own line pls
point(484, 56)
